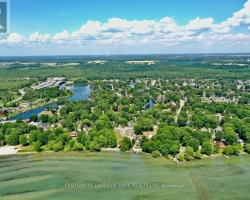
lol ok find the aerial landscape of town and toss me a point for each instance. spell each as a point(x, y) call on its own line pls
point(125, 108)
point(168, 114)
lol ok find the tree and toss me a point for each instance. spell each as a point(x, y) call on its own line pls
point(23, 140)
point(207, 148)
point(219, 136)
point(64, 138)
point(33, 118)
point(79, 136)
point(86, 122)
point(181, 156)
point(144, 124)
point(85, 141)
point(58, 146)
point(194, 143)
point(125, 144)
point(12, 139)
point(58, 131)
point(51, 144)
point(216, 147)
point(43, 137)
point(156, 154)
point(228, 150)
point(31, 127)
point(197, 155)
point(230, 136)
point(102, 141)
point(51, 137)
point(94, 146)
point(101, 124)
point(44, 118)
point(247, 147)
point(2, 138)
point(37, 146)
point(78, 147)
point(181, 121)
point(174, 149)
point(198, 123)
point(19, 120)
point(211, 121)
point(237, 148)
point(165, 150)
point(138, 129)
point(33, 136)
point(188, 155)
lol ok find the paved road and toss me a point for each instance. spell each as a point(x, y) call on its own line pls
point(182, 102)
point(19, 98)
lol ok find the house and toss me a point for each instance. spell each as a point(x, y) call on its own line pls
point(222, 145)
point(44, 125)
point(218, 129)
point(240, 141)
point(137, 143)
point(182, 149)
point(203, 129)
point(73, 134)
point(34, 123)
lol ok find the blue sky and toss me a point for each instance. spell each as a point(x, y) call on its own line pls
point(80, 27)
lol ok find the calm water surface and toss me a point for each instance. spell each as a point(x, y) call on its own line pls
point(87, 176)
point(80, 93)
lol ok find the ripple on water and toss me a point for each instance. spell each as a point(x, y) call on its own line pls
point(35, 176)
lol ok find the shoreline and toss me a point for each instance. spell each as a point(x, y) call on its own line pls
point(35, 107)
point(14, 150)
point(9, 150)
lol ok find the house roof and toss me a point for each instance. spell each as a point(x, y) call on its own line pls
point(222, 144)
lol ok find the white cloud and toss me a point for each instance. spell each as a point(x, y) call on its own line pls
point(36, 37)
point(116, 25)
point(15, 38)
point(91, 28)
point(198, 24)
point(242, 17)
point(166, 25)
point(121, 33)
point(220, 28)
point(142, 27)
point(62, 36)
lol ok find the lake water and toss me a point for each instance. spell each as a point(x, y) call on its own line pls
point(149, 104)
point(136, 177)
point(80, 93)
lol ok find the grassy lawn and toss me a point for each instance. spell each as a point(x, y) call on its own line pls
point(118, 137)
point(26, 149)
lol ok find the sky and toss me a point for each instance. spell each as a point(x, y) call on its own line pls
point(106, 27)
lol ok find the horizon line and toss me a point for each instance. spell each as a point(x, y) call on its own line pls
point(150, 54)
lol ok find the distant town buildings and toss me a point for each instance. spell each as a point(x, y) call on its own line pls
point(51, 82)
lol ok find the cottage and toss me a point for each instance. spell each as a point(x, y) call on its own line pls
point(222, 145)
point(137, 143)
point(218, 129)
point(73, 134)
point(241, 141)
point(182, 149)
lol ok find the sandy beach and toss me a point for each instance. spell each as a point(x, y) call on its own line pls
point(7, 150)
point(110, 149)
